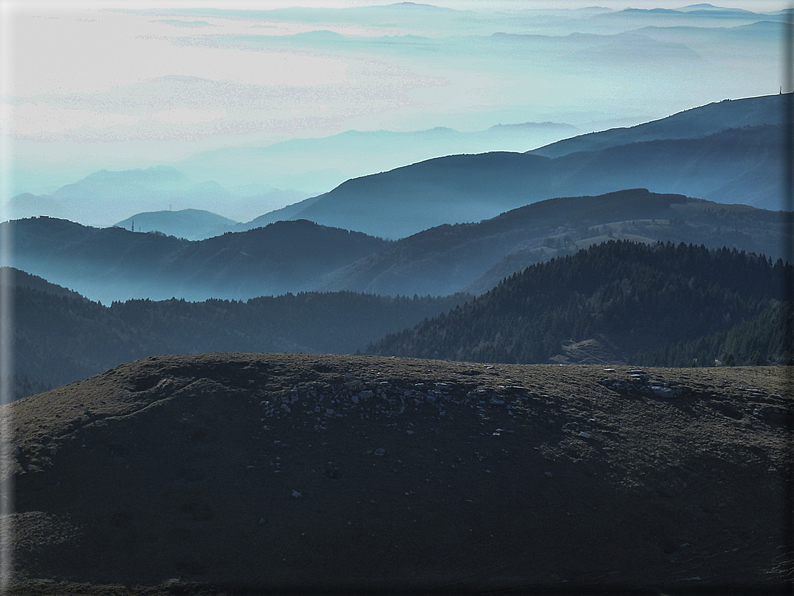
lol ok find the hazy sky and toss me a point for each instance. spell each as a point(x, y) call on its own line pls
point(134, 84)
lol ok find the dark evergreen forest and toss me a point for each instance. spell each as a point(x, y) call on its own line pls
point(763, 339)
point(639, 298)
point(60, 338)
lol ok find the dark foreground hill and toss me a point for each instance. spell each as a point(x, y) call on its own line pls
point(268, 472)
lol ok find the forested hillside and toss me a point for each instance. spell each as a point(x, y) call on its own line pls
point(60, 339)
point(763, 339)
point(632, 297)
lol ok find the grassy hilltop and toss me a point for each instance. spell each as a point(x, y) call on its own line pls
point(237, 473)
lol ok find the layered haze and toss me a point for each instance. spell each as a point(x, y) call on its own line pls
point(293, 101)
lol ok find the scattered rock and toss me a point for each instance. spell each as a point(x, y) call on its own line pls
point(662, 391)
point(331, 471)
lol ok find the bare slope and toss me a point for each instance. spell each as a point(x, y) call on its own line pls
point(266, 471)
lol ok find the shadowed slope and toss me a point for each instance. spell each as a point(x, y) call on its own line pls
point(640, 297)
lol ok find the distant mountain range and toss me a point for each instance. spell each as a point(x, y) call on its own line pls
point(292, 256)
point(728, 152)
point(322, 164)
point(99, 198)
point(734, 154)
point(114, 197)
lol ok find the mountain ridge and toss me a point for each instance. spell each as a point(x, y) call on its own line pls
point(699, 121)
point(296, 255)
point(729, 165)
point(475, 257)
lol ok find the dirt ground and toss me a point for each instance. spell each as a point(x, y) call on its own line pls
point(262, 473)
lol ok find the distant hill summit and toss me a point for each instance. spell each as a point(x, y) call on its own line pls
point(191, 224)
point(728, 152)
point(627, 296)
point(110, 264)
